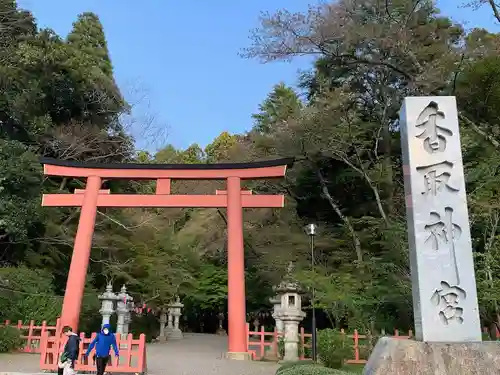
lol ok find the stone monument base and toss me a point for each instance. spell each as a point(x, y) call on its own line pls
point(221, 332)
point(176, 334)
point(409, 357)
point(237, 356)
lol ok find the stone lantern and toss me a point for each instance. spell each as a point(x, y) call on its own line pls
point(163, 322)
point(175, 314)
point(220, 330)
point(290, 312)
point(107, 299)
point(122, 308)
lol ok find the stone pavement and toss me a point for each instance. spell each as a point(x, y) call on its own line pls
point(196, 354)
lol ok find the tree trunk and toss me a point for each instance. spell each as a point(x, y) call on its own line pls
point(345, 219)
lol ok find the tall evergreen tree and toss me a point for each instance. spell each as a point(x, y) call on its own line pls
point(281, 103)
point(87, 36)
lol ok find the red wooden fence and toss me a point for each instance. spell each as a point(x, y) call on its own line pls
point(258, 342)
point(356, 337)
point(132, 354)
point(259, 347)
point(33, 333)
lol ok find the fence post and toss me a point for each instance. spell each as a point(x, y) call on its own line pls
point(356, 345)
point(275, 348)
point(30, 336)
point(262, 347)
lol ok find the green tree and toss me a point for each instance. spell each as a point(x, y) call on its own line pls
point(87, 36)
point(281, 103)
point(220, 149)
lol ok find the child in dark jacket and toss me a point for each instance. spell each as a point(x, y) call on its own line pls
point(103, 343)
point(70, 352)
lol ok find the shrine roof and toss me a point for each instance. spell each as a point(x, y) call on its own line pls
point(221, 166)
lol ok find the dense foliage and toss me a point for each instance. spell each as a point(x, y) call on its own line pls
point(58, 98)
point(10, 339)
point(333, 348)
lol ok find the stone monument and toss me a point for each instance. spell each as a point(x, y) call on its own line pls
point(176, 312)
point(107, 299)
point(447, 325)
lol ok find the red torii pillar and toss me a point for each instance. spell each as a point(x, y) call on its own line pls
point(234, 199)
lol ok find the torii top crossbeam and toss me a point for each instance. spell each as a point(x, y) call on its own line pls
point(163, 174)
point(135, 171)
point(234, 199)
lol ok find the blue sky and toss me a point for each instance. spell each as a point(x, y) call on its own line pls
point(177, 61)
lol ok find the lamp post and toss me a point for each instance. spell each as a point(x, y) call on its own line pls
point(311, 232)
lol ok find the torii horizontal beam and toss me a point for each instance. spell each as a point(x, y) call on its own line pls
point(134, 171)
point(163, 200)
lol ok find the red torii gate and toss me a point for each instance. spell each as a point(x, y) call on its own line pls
point(234, 199)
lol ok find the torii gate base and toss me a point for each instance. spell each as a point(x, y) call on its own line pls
point(234, 199)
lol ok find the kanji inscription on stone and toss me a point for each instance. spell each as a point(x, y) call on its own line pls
point(443, 233)
point(433, 131)
point(442, 269)
point(436, 178)
point(448, 299)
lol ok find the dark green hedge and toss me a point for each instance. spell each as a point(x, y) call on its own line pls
point(308, 368)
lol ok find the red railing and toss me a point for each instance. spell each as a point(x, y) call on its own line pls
point(262, 344)
point(258, 341)
point(132, 354)
point(33, 333)
point(356, 337)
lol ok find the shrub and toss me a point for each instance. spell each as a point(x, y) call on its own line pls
point(287, 365)
point(332, 348)
point(310, 369)
point(10, 339)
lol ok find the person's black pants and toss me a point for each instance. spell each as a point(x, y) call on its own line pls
point(101, 363)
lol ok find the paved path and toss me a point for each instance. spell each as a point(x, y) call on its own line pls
point(196, 354)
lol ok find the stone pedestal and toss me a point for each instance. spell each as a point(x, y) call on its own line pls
point(170, 322)
point(163, 322)
point(408, 357)
point(292, 337)
point(238, 356)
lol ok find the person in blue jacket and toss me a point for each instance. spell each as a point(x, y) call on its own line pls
point(103, 343)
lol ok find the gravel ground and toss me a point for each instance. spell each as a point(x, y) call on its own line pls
point(196, 354)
